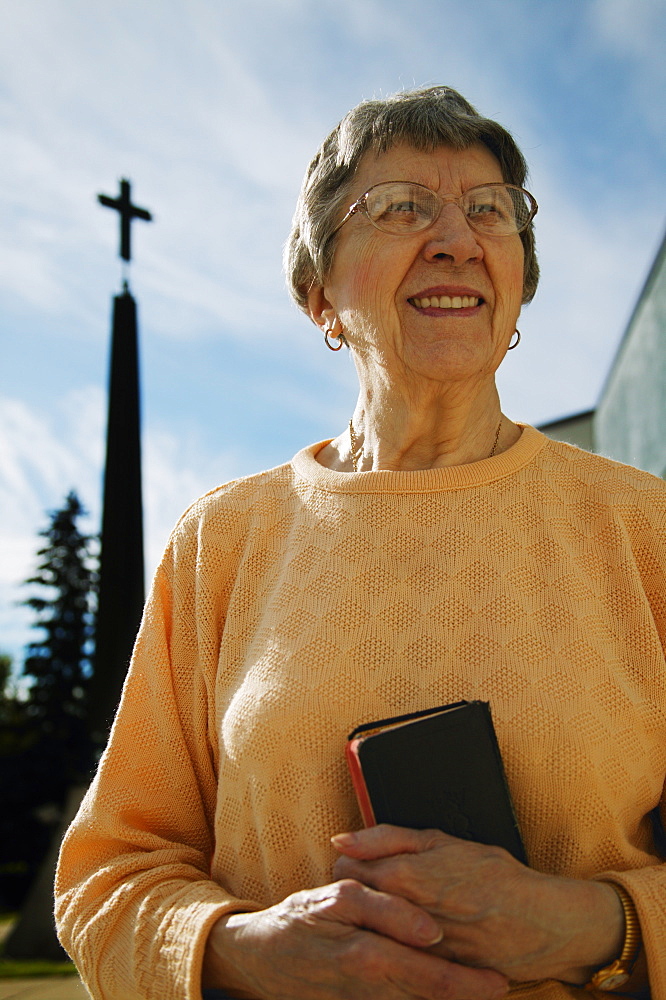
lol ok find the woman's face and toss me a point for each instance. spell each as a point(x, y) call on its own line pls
point(378, 281)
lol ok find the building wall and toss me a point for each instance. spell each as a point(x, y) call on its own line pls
point(577, 429)
point(630, 420)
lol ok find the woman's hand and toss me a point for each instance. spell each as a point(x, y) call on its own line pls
point(339, 941)
point(494, 912)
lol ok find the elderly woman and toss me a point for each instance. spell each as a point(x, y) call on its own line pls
point(433, 551)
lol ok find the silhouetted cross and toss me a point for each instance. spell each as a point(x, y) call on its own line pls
point(128, 211)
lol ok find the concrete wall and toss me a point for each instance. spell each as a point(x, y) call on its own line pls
point(630, 420)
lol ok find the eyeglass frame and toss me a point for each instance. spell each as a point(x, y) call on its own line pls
point(360, 205)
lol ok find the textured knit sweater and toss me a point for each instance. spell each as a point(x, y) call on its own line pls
point(292, 606)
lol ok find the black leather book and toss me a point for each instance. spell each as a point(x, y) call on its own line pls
point(440, 768)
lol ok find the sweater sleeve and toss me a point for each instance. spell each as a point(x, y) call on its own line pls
point(134, 897)
point(647, 888)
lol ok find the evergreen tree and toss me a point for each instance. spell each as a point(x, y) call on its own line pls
point(45, 743)
point(60, 664)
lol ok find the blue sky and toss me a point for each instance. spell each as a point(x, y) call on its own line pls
point(212, 108)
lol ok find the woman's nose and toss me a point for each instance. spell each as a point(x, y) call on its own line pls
point(451, 237)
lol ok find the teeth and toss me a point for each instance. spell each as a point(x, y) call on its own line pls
point(446, 302)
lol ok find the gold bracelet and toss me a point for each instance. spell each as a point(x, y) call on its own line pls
point(612, 976)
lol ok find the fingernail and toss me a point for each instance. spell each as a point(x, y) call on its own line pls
point(424, 929)
point(343, 839)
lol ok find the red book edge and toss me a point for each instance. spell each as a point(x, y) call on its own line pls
point(358, 781)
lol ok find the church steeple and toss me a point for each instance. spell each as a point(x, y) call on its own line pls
point(121, 587)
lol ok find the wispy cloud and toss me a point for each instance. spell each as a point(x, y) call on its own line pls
point(636, 32)
point(44, 455)
point(41, 458)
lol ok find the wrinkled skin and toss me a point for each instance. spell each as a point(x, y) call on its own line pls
point(417, 914)
point(493, 911)
point(339, 941)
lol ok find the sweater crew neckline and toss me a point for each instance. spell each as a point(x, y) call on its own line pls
point(454, 477)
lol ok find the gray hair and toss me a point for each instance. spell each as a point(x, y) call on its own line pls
point(425, 119)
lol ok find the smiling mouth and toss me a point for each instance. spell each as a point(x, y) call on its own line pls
point(447, 302)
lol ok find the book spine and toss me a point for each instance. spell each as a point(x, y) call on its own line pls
point(358, 781)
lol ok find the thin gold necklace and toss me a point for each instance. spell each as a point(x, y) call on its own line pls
point(354, 447)
point(357, 452)
point(499, 427)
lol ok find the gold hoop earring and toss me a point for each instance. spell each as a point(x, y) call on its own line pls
point(327, 333)
point(341, 339)
point(511, 347)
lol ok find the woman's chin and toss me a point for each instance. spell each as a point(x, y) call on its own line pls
point(450, 361)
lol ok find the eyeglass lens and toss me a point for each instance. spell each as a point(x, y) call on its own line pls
point(398, 207)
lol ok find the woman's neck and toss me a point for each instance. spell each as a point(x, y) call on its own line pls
point(442, 426)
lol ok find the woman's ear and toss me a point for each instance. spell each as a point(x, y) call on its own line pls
point(320, 309)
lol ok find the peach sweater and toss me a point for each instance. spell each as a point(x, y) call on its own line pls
point(295, 604)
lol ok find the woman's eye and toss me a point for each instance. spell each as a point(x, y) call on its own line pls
point(483, 209)
point(491, 216)
point(405, 213)
point(402, 206)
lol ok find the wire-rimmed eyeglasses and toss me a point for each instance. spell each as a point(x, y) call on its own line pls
point(405, 207)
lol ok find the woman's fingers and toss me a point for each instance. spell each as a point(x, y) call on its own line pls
point(351, 902)
point(442, 874)
point(395, 971)
point(337, 941)
point(388, 955)
point(384, 840)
